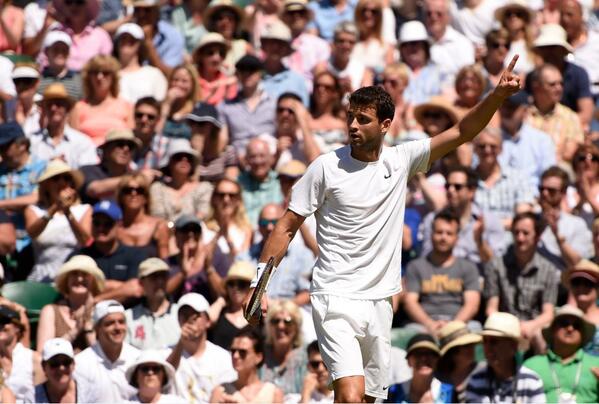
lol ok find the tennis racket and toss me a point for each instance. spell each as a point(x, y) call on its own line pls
point(253, 309)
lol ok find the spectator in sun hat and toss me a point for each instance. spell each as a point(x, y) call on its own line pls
point(422, 354)
point(58, 362)
point(22, 366)
point(202, 365)
point(178, 192)
point(154, 378)
point(101, 180)
point(137, 79)
point(58, 223)
point(566, 370)
point(105, 362)
point(56, 139)
point(79, 280)
point(582, 281)
point(457, 361)
point(275, 40)
point(164, 44)
point(26, 78)
point(501, 379)
point(152, 324)
point(56, 48)
point(216, 158)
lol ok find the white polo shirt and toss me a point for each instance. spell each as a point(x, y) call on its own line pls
point(93, 365)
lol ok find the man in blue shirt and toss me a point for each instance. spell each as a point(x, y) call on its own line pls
point(164, 44)
point(329, 13)
point(278, 79)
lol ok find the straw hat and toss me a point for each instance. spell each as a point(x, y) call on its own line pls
point(121, 134)
point(58, 167)
point(179, 146)
point(436, 102)
point(588, 329)
point(552, 35)
point(217, 5)
point(504, 325)
point(152, 356)
point(81, 263)
point(211, 38)
point(151, 265)
point(583, 269)
point(514, 4)
point(455, 333)
point(241, 270)
point(57, 91)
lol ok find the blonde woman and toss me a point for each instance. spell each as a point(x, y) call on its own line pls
point(139, 228)
point(79, 280)
point(371, 47)
point(396, 78)
point(59, 223)
point(229, 230)
point(101, 108)
point(182, 94)
point(284, 355)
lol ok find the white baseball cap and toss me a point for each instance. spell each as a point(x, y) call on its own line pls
point(106, 307)
point(53, 37)
point(195, 301)
point(132, 29)
point(57, 346)
point(25, 72)
point(413, 31)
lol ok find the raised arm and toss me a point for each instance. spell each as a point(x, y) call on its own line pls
point(478, 118)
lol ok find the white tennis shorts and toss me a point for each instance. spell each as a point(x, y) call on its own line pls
point(354, 337)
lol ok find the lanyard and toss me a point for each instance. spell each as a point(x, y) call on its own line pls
point(496, 388)
point(576, 379)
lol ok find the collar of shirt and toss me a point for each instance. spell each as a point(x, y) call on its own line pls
point(553, 357)
point(124, 356)
point(280, 76)
point(534, 111)
point(449, 36)
point(67, 75)
point(260, 90)
point(89, 28)
point(147, 312)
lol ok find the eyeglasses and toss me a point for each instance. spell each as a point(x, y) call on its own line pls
point(457, 187)
point(315, 365)
point(281, 110)
point(122, 144)
point(221, 195)
point(515, 13)
point(133, 190)
point(238, 284)
point(140, 115)
point(549, 190)
point(242, 352)
point(57, 363)
point(150, 368)
point(586, 157)
point(497, 45)
point(563, 322)
point(328, 87)
point(266, 222)
point(286, 321)
point(75, 2)
point(103, 223)
point(433, 114)
point(485, 146)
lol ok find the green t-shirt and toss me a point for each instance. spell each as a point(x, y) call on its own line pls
point(587, 390)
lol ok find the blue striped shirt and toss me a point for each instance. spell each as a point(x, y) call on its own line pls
point(484, 388)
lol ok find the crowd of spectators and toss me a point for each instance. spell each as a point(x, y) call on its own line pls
point(148, 148)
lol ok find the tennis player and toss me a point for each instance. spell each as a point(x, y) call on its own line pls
point(357, 194)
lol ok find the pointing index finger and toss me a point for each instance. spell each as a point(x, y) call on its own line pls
point(510, 67)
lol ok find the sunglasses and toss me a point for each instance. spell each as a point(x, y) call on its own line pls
point(374, 11)
point(586, 157)
point(485, 146)
point(433, 114)
point(75, 2)
point(238, 284)
point(328, 87)
point(286, 321)
point(133, 190)
point(63, 177)
point(150, 368)
point(266, 222)
point(515, 13)
point(26, 81)
point(567, 322)
point(182, 156)
point(281, 110)
point(550, 191)
point(140, 115)
point(242, 352)
point(57, 363)
point(497, 45)
point(316, 364)
point(103, 223)
point(231, 195)
point(122, 144)
point(582, 282)
point(457, 187)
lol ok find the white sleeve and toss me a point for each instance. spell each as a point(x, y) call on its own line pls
point(307, 195)
point(417, 155)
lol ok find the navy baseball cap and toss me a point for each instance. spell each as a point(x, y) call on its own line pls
point(108, 208)
point(203, 112)
point(249, 63)
point(9, 132)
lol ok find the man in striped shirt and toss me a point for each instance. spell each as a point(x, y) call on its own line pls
point(501, 379)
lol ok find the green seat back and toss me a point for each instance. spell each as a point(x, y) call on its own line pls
point(31, 295)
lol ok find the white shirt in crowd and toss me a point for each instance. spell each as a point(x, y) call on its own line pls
point(475, 22)
point(76, 148)
point(145, 82)
point(586, 55)
point(359, 210)
point(93, 365)
point(452, 52)
point(6, 84)
point(197, 377)
point(20, 380)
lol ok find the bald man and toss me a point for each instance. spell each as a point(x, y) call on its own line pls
point(259, 182)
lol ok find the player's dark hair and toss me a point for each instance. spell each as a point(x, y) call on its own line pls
point(375, 97)
point(313, 347)
point(471, 175)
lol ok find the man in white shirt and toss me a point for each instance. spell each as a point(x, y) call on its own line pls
point(106, 361)
point(201, 365)
point(357, 194)
point(450, 50)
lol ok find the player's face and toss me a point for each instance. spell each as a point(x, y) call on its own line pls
point(365, 130)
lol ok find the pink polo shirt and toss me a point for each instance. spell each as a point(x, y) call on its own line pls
point(90, 42)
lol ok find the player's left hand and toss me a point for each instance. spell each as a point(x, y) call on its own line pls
point(509, 83)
